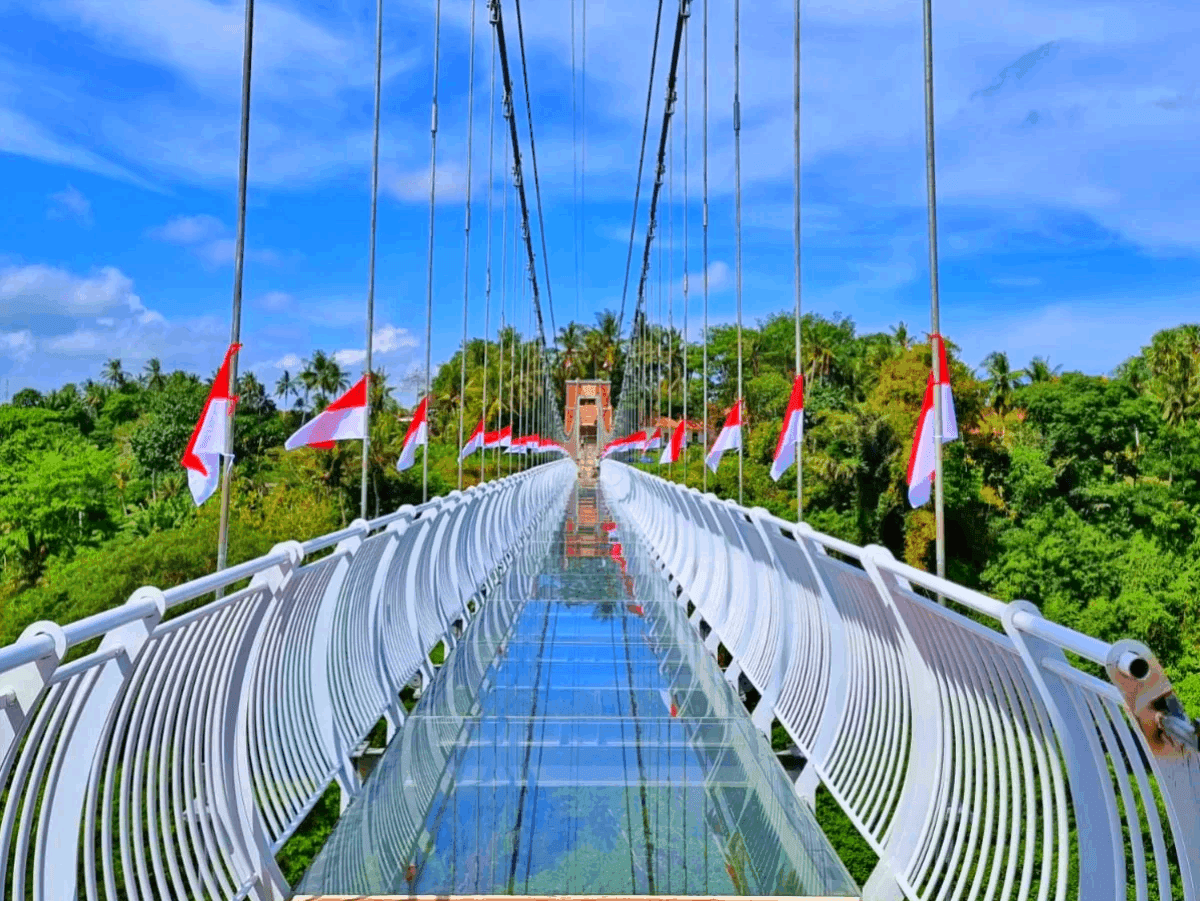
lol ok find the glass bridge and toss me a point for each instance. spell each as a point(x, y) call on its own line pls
point(579, 739)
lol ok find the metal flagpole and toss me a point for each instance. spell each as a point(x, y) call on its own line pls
point(799, 356)
point(433, 126)
point(462, 379)
point(934, 311)
point(737, 195)
point(366, 448)
point(704, 258)
point(238, 260)
point(686, 211)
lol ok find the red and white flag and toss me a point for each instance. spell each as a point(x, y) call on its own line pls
point(519, 445)
point(506, 436)
point(345, 418)
point(729, 439)
point(671, 452)
point(417, 434)
point(793, 431)
point(654, 441)
point(922, 460)
point(202, 459)
point(474, 443)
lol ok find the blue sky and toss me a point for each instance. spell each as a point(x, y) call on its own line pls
point(1069, 188)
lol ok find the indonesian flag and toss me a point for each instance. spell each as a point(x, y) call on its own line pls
point(418, 433)
point(654, 442)
point(506, 436)
point(474, 443)
point(518, 445)
point(921, 463)
point(793, 431)
point(491, 440)
point(345, 418)
point(729, 439)
point(202, 459)
point(671, 452)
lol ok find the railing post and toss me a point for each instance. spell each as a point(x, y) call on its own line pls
point(239, 781)
point(90, 716)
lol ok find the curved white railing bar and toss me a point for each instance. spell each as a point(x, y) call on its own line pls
point(977, 760)
point(175, 759)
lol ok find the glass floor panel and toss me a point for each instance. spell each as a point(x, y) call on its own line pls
point(579, 739)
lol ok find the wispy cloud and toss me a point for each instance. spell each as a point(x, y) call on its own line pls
point(70, 204)
point(205, 236)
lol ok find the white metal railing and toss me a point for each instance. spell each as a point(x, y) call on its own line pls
point(963, 743)
point(176, 758)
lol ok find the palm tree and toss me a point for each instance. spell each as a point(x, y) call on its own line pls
point(570, 342)
point(1004, 380)
point(334, 378)
point(286, 386)
point(114, 374)
point(153, 376)
point(1040, 370)
point(311, 374)
point(901, 336)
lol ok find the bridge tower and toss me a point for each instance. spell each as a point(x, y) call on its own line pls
point(589, 417)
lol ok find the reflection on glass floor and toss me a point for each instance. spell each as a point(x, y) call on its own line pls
point(579, 739)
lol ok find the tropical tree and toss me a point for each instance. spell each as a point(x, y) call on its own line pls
point(152, 375)
point(114, 374)
point(1040, 370)
point(286, 386)
point(1003, 380)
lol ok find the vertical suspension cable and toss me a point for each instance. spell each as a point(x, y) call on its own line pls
point(737, 218)
point(433, 128)
point(799, 357)
point(686, 214)
point(575, 167)
point(366, 448)
point(462, 376)
point(503, 305)
point(583, 143)
point(939, 503)
point(704, 229)
point(487, 289)
point(239, 256)
point(670, 288)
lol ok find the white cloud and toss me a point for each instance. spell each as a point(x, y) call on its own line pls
point(289, 362)
point(36, 295)
point(70, 204)
point(17, 345)
point(205, 236)
point(387, 340)
point(720, 277)
point(275, 301)
point(188, 230)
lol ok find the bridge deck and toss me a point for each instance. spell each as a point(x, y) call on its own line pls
point(578, 740)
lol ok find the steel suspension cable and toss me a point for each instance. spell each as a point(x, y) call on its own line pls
point(660, 169)
point(737, 205)
point(433, 128)
point(704, 230)
point(462, 377)
point(575, 168)
point(637, 190)
point(497, 17)
point(487, 289)
point(686, 216)
point(537, 182)
point(670, 288)
point(799, 347)
point(366, 448)
point(583, 142)
point(239, 257)
point(503, 306)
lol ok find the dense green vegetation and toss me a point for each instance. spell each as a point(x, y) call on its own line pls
point(1078, 492)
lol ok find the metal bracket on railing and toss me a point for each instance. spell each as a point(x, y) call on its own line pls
point(1151, 700)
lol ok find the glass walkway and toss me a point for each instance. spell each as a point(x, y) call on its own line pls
point(579, 740)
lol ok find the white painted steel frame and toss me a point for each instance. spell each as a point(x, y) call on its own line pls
point(960, 739)
point(175, 759)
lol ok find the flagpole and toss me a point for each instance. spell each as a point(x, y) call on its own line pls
point(935, 313)
point(238, 259)
point(433, 128)
point(366, 447)
point(799, 360)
